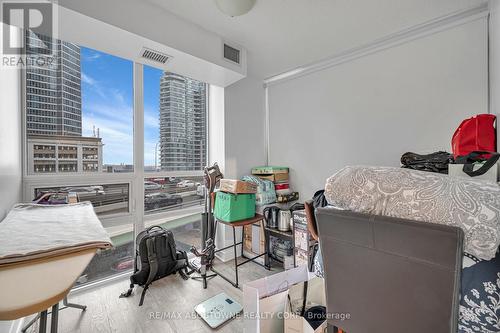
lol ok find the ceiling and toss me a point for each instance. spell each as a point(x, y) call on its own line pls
point(281, 35)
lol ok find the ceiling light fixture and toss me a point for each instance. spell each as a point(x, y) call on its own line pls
point(235, 7)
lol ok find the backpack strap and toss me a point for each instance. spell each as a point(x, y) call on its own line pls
point(475, 156)
point(171, 243)
point(128, 292)
point(132, 282)
point(153, 267)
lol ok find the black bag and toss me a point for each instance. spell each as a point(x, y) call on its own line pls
point(477, 156)
point(156, 257)
point(435, 162)
point(319, 199)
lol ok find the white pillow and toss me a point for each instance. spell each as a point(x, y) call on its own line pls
point(473, 205)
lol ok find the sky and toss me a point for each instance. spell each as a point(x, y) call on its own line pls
point(107, 104)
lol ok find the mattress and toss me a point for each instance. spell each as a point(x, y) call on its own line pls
point(472, 205)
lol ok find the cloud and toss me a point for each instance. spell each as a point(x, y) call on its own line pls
point(107, 110)
point(90, 55)
point(87, 79)
point(117, 138)
point(151, 120)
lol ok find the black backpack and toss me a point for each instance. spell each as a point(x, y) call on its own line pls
point(155, 258)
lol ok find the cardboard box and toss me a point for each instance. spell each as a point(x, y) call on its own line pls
point(301, 239)
point(301, 258)
point(266, 170)
point(254, 242)
point(294, 323)
point(299, 219)
point(247, 240)
point(264, 300)
point(237, 186)
point(288, 263)
point(274, 177)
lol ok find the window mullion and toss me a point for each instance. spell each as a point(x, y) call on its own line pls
point(138, 186)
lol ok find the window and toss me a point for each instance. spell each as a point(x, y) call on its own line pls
point(80, 107)
point(106, 198)
point(79, 120)
point(175, 150)
point(175, 122)
point(79, 125)
point(163, 194)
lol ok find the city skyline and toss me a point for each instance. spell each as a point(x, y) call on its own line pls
point(106, 103)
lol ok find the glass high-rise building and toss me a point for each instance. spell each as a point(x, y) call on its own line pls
point(183, 118)
point(53, 87)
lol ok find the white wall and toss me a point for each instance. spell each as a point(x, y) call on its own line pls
point(244, 127)
point(10, 137)
point(243, 140)
point(494, 36)
point(159, 25)
point(373, 109)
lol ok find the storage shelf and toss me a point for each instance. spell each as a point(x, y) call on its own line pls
point(288, 234)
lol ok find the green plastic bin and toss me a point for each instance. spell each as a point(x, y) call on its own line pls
point(231, 207)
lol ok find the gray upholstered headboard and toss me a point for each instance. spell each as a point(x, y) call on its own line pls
point(390, 275)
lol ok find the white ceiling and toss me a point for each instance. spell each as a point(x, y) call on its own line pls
point(281, 35)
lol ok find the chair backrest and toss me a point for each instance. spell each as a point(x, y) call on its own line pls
point(311, 219)
point(390, 275)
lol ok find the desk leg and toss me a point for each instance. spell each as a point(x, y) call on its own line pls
point(73, 305)
point(43, 322)
point(54, 319)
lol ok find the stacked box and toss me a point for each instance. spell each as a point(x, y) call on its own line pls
point(301, 258)
point(268, 169)
point(275, 178)
point(237, 186)
point(231, 207)
point(280, 178)
point(265, 190)
point(253, 243)
point(302, 238)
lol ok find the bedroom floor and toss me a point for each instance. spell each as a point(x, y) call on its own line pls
point(108, 313)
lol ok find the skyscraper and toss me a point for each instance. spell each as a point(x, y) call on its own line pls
point(53, 87)
point(54, 109)
point(183, 139)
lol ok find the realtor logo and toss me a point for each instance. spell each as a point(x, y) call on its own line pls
point(36, 17)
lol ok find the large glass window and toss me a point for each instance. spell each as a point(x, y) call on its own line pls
point(175, 122)
point(79, 126)
point(162, 194)
point(80, 130)
point(79, 110)
point(106, 199)
point(175, 150)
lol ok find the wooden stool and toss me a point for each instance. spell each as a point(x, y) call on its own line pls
point(242, 223)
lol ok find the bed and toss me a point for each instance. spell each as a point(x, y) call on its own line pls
point(415, 196)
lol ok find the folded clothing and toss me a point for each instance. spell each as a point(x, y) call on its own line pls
point(473, 205)
point(31, 231)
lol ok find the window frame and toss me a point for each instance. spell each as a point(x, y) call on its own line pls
point(135, 180)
